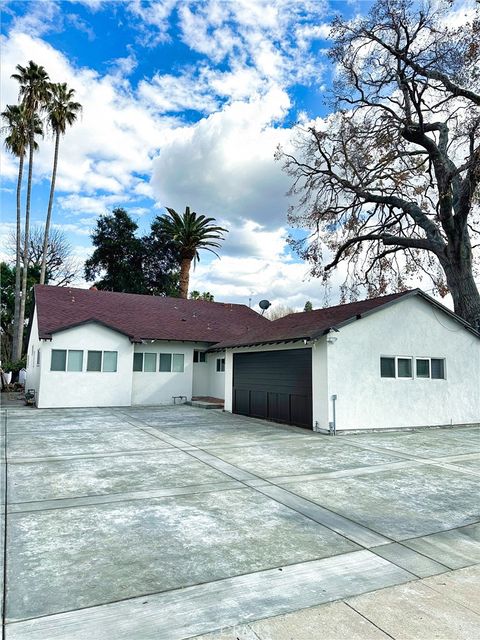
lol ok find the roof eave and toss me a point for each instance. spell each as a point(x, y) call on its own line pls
point(258, 343)
point(408, 294)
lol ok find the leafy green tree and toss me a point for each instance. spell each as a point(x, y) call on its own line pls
point(7, 307)
point(16, 141)
point(189, 232)
point(130, 264)
point(308, 306)
point(34, 94)
point(118, 254)
point(62, 112)
point(206, 295)
point(160, 263)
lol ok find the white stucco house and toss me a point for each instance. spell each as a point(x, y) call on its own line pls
point(398, 361)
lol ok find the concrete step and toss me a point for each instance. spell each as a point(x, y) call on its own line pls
point(202, 404)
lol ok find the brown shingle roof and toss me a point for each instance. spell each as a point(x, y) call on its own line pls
point(308, 325)
point(143, 317)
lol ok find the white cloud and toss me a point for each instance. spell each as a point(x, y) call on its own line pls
point(98, 204)
point(115, 137)
point(275, 278)
point(38, 18)
point(224, 164)
point(176, 93)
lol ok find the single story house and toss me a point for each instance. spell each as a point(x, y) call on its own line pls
point(401, 360)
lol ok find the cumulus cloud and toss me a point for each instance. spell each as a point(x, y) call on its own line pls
point(221, 165)
point(110, 147)
point(224, 164)
point(277, 278)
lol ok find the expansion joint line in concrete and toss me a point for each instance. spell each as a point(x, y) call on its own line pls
point(237, 473)
point(367, 619)
point(4, 499)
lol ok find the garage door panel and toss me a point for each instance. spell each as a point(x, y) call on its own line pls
point(258, 404)
point(301, 410)
point(279, 407)
point(241, 402)
point(279, 385)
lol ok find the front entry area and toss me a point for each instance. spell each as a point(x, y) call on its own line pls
point(274, 385)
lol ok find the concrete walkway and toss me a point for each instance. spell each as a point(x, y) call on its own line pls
point(443, 607)
point(172, 522)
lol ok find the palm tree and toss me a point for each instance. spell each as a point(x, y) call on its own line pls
point(34, 94)
point(62, 112)
point(16, 141)
point(190, 232)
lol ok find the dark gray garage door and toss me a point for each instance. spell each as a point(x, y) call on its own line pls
point(276, 385)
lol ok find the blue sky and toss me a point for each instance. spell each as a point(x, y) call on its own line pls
point(184, 103)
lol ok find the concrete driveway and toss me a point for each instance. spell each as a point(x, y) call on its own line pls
point(171, 522)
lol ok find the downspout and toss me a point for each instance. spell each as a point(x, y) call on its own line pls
point(332, 426)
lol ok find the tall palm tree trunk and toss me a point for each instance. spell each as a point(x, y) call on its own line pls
point(49, 210)
point(184, 276)
point(23, 299)
point(16, 312)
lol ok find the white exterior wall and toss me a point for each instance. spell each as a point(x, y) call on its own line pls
point(158, 387)
point(33, 370)
point(207, 381)
point(320, 410)
point(216, 379)
point(410, 328)
point(86, 388)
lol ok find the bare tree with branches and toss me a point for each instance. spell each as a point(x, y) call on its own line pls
point(61, 268)
point(389, 183)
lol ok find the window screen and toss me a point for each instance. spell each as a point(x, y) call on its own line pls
point(199, 356)
point(138, 361)
point(38, 358)
point(75, 360)
point(165, 362)
point(438, 368)
point(220, 364)
point(423, 368)
point(150, 362)
point(178, 362)
point(59, 359)
point(94, 361)
point(387, 367)
point(110, 361)
point(404, 367)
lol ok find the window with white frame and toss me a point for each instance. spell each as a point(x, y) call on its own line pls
point(171, 362)
point(110, 361)
point(423, 368)
point(199, 356)
point(165, 362)
point(59, 360)
point(75, 360)
point(433, 368)
point(437, 368)
point(94, 361)
point(105, 361)
point(220, 364)
point(146, 362)
point(138, 361)
point(403, 367)
point(38, 358)
point(72, 360)
point(178, 362)
point(387, 367)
